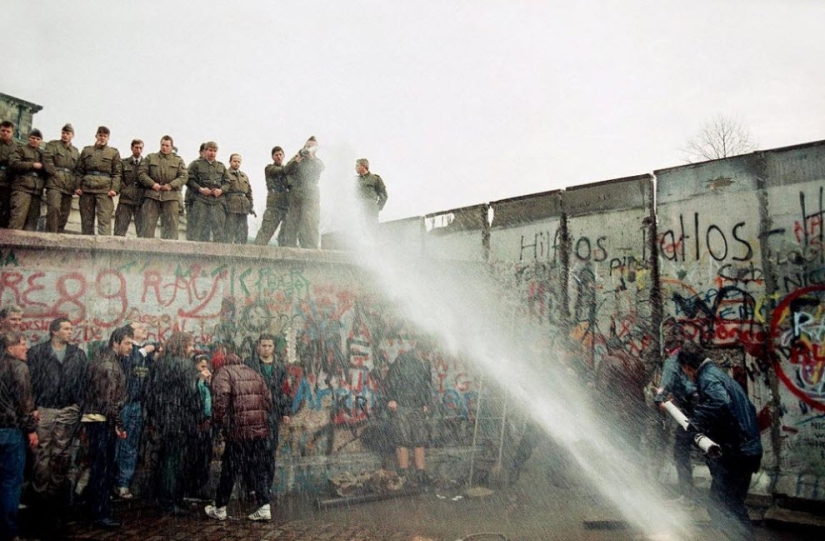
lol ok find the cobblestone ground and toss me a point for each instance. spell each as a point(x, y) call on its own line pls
point(518, 514)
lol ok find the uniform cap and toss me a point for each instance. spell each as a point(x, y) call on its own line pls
point(68, 127)
point(35, 133)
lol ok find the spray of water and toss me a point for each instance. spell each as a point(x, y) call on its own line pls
point(466, 306)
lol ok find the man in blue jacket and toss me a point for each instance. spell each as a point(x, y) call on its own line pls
point(724, 414)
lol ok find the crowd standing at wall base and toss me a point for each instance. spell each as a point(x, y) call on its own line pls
point(217, 203)
point(51, 394)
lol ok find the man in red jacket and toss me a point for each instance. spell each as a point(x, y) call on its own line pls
point(241, 401)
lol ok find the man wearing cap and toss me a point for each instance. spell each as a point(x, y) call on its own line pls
point(372, 194)
point(238, 203)
point(60, 157)
point(7, 146)
point(304, 216)
point(163, 174)
point(131, 192)
point(277, 202)
point(100, 170)
point(27, 188)
point(209, 182)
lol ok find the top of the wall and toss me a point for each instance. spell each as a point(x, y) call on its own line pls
point(795, 164)
point(616, 194)
point(526, 208)
point(98, 245)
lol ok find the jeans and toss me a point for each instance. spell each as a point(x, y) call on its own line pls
point(731, 478)
point(102, 440)
point(126, 452)
point(12, 460)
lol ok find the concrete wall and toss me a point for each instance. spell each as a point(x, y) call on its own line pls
point(342, 336)
point(732, 254)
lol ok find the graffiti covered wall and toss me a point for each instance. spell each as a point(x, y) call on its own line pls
point(342, 336)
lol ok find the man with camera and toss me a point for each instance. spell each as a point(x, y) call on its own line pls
point(304, 216)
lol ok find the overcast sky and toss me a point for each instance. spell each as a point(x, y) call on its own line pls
point(454, 103)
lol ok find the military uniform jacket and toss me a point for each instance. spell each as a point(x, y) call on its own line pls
point(60, 163)
point(27, 178)
point(99, 169)
point(371, 190)
point(239, 196)
point(5, 154)
point(163, 169)
point(203, 174)
point(277, 186)
point(304, 175)
point(131, 189)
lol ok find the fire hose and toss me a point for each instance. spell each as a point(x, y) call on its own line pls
point(704, 443)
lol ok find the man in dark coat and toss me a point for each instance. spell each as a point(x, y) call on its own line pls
point(240, 408)
point(104, 398)
point(17, 428)
point(409, 395)
point(725, 415)
point(58, 371)
point(174, 411)
point(268, 361)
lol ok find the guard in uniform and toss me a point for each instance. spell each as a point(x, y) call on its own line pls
point(60, 162)
point(99, 170)
point(372, 194)
point(209, 182)
point(163, 174)
point(7, 146)
point(131, 192)
point(277, 200)
point(304, 217)
point(238, 203)
point(27, 188)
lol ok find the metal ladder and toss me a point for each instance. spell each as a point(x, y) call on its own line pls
point(490, 426)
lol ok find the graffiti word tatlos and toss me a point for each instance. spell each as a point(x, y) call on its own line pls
point(691, 240)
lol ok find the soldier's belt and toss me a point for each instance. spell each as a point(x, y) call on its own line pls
point(67, 169)
point(230, 193)
point(30, 174)
point(98, 174)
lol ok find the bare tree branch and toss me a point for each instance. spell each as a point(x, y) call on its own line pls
point(720, 137)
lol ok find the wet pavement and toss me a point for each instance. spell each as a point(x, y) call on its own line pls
point(525, 512)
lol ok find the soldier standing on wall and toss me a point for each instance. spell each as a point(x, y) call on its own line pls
point(131, 192)
point(60, 161)
point(277, 200)
point(99, 169)
point(372, 193)
point(7, 146)
point(163, 174)
point(238, 203)
point(27, 187)
point(209, 182)
point(304, 216)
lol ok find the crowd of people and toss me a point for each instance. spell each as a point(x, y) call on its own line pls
point(51, 394)
point(130, 390)
point(217, 200)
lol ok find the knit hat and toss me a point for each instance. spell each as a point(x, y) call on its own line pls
point(68, 127)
